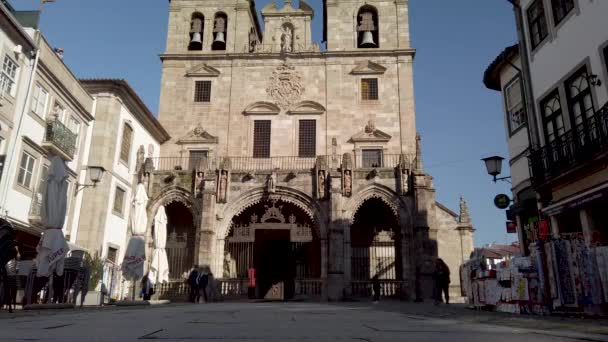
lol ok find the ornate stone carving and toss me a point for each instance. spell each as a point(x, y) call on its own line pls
point(405, 181)
point(285, 86)
point(321, 185)
point(222, 186)
point(197, 136)
point(271, 183)
point(199, 185)
point(348, 183)
point(273, 213)
point(286, 38)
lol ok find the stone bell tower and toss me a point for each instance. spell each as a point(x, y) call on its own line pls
point(212, 26)
point(373, 24)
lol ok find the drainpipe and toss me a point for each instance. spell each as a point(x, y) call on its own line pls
point(15, 138)
point(533, 134)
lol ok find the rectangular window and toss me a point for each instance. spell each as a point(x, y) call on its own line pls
point(125, 147)
point(119, 199)
point(112, 253)
point(515, 105)
point(553, 120)
point(537, 23)
point(369, 89)
point(202, 91)
point(26, 170)
point(372, 158)
point(580, 100)
point(261, 139)
point(8, 76)
point(39, 101)
point(561, 8)
point(307, 139)
point(198, 160)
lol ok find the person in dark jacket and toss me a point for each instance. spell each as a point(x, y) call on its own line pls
point(376, 288)
point(193, 285)
point(202, 282)
point(441, 276)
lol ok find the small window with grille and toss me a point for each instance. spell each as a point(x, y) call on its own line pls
point(372, 158)
point(261, 139)
point(307, 147)
point(202, 91)
point(369, 89)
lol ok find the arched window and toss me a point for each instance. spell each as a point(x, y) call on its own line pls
point(197, 27)
point(220, 23)
point(367, 28)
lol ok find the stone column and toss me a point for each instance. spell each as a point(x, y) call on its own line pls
point(335, 272)
point(206, 232)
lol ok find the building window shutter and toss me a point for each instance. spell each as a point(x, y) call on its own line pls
point(202, 91)
point(307, 147)
point(261, 139)
point(125, 147)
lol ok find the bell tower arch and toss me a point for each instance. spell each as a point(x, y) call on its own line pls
point(364, 24)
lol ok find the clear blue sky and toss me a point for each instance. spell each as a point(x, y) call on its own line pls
point(459, 119)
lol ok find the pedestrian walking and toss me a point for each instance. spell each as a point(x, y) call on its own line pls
point(441, 277)
point(202, 281)
point(376, 288)
point(147, 290)
point(192, 284)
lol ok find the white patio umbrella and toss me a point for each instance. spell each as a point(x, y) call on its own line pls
point(159, 269)
point(52, 247)
point(135, 255)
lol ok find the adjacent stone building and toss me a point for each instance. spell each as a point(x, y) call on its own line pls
point(298, 162)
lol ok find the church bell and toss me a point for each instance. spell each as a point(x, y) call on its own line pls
point(196, 38)
point(220, 38)
point(368, 39)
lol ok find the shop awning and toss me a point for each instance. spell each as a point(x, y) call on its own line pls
point(577, 200)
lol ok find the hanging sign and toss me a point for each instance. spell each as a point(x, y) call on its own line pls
point(511, 227)
point(502, 201)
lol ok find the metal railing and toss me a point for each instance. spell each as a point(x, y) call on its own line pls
point(250, 164)
point(388, 288)
point(58, 135)
point(309, 287)
point(578, 145)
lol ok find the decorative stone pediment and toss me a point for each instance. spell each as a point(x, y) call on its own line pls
point(203, 70)
point(198, 136)
point(368, 68)
point(307, 108)
point(370, 134)
point(262, 108)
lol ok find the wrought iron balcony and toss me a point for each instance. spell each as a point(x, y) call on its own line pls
point(292, 163)
point(59, 140)
point(585, 142)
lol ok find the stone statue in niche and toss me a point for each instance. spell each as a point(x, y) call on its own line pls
point(271, 183)
point(199, 184)
point(287, 39)
point(321, 184)
point(405, 181)
point(348, 183)
point(222, 187)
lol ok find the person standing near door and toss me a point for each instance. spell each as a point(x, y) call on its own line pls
point(192, 278)
point(376, 288)
point(441, 276)
point(202, 281)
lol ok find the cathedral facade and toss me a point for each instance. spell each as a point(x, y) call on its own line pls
point(298, 164)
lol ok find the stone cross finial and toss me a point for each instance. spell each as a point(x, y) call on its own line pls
point(464, 218)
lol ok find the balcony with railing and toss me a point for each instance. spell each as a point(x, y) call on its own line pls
point(59, 140)
point(584, 143)
point(288, 163)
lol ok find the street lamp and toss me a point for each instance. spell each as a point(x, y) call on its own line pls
point(494, 168)
point(95, 174)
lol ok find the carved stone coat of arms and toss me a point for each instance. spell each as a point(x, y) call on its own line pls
point(285, 86)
